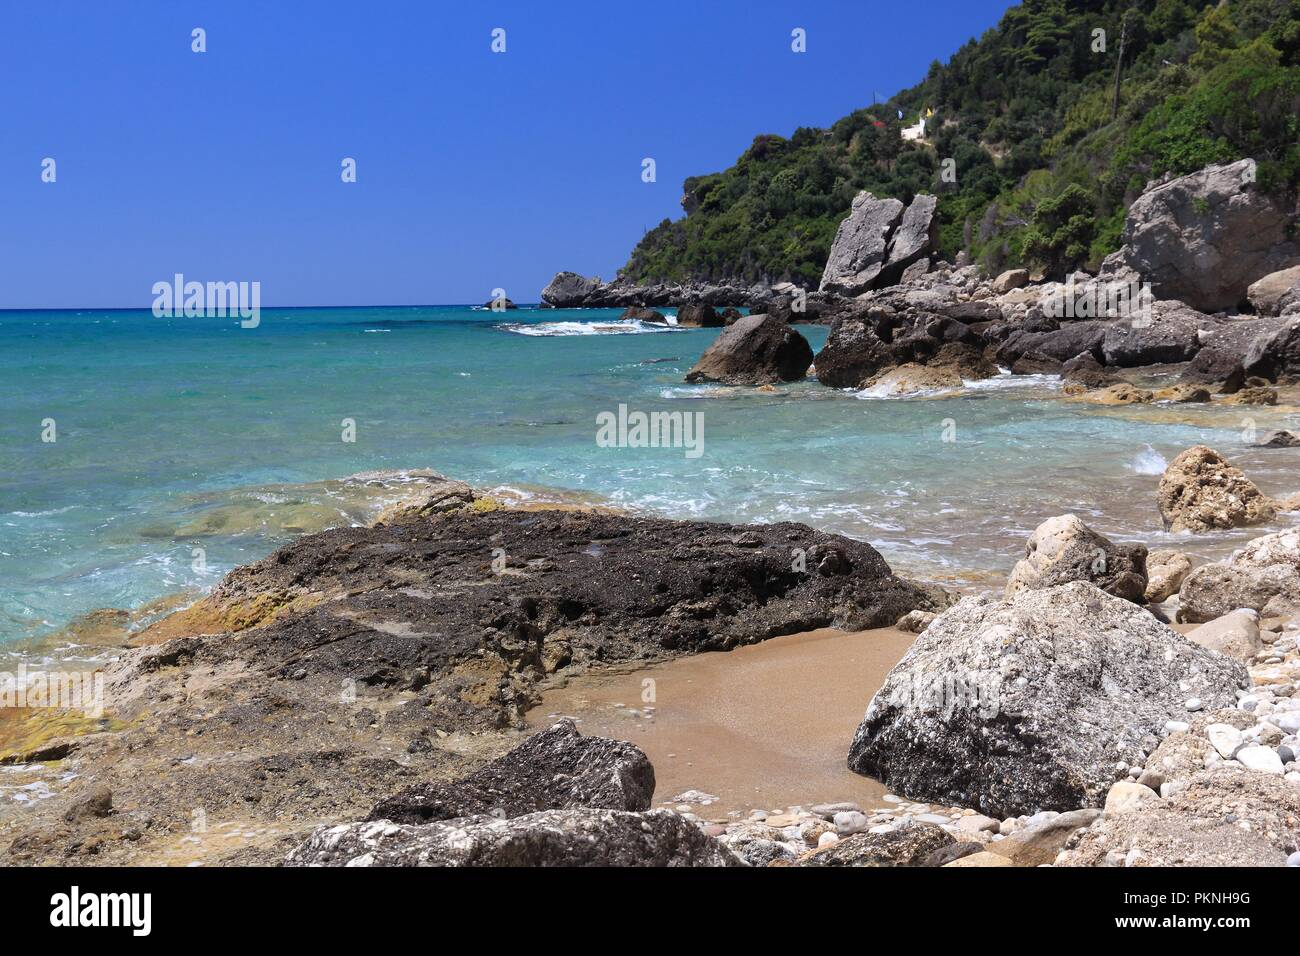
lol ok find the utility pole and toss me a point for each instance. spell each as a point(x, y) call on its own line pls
point(1119, 66)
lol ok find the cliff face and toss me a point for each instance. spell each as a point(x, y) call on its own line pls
point(1013, 121)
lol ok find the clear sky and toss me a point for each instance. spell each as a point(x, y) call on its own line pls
point(475, 170)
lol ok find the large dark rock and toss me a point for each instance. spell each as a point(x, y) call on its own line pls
point(635, 313)
point(471, 609)
point(852, 354)
point(580, 837)
point(1084, 369)
point(1276, 354)
point(1062, 344)
point(861, 245)
point(755, 350)
point(1172, 333)
point(699, 316)
point(557, 769)
point(1023, 705)
point(568, 290)
point(1204, 238)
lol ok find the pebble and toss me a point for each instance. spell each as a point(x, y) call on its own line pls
point(829, 810)
point(1293, 859)
point(977, 822)
point(827, 838)
point(850, 821)
point(1194, 703)
point(1176, 726)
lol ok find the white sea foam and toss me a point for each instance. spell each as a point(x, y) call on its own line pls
point(616, 327)
point(1005, 379)
point(1149, 462)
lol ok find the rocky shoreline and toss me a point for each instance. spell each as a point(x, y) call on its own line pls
point(1227, 330)
point(358, 697)
point(349, 700)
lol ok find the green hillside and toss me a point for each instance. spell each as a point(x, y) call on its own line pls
point(1044, 166)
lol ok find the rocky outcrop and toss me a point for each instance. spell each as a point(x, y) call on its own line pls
point(861, 245)
point(1064, 549)
point(568, 290)
point(557, 769)
point(755, 350)
point(1267, 294)
point(1204, 238)
point(913, 240)
point(1264, 576)
point(1015, 706)
point(636, 313)
point(1202, 491)
point(853, 354)
point(1172, 333)
point(551, 838)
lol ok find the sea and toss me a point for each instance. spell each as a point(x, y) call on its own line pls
point(143, 458)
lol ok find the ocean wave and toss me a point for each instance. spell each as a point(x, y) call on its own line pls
point(1148, 462)
point(615, 327)
point(1007, 379)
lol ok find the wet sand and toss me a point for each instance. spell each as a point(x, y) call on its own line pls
point(766, 726)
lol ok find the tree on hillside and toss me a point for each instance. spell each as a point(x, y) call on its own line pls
point(1061, 231)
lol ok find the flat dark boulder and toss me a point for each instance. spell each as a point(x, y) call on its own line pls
point(471, 609)
point(557, 769)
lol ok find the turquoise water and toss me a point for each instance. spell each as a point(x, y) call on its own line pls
point(172, 432)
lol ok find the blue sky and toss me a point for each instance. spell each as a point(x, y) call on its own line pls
point(475, 170)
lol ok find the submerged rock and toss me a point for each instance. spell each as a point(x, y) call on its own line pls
point(1064, 549)
point(1202, 491)
point(580, 837)
point(755, 350)
point(1016, 706)
point(557, 769)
